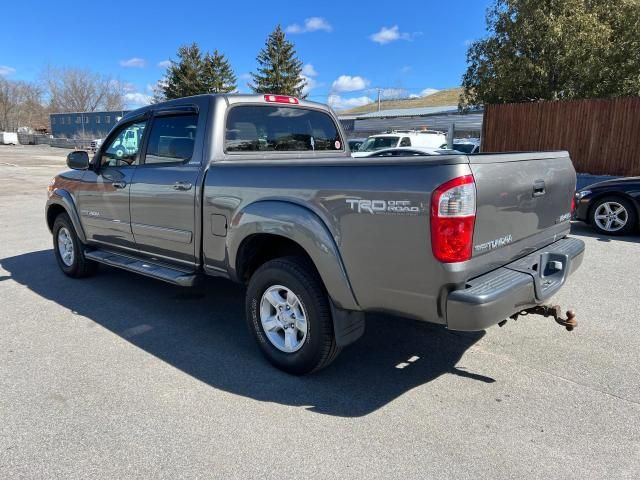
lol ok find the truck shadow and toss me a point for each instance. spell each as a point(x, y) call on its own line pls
point(202, 332)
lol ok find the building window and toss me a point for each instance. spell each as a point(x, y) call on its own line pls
point(107, 119)
point(97, 118)
point(68, 120)
point(86, 119)
point(78, 119)
point(53, 120)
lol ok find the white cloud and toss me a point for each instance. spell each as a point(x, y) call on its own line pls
point(312, 24)
point(309, 71)
point(391, 34)
point(406, 69)
point(134, 62)
point(425, 93)
point(164, 64)
point(128, 87)
point(347, 83)
point(393, 92)
point(137, 99)
point(6, 70)
point(340, 103)
point(310, 84)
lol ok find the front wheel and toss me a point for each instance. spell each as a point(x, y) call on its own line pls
point(613, 216)
point(68, 249)
point(289, 316)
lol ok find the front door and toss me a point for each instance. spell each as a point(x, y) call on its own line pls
point(163, 191)
point(104, 195)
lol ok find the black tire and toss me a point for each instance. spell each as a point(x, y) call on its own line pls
point(81, 266)
point(319, 348)
point(631, 215)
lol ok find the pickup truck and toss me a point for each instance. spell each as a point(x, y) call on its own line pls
point(262, 190)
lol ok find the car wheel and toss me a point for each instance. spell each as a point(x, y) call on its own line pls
point(69, 250)
point(288, 314)
point(613, 216)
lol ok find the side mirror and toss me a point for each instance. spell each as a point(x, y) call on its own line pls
point(78, 160)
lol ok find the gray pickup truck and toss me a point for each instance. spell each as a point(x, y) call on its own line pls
point(262, 190)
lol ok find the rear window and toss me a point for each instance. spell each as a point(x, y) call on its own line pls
point(372, 144)
point(257, 128)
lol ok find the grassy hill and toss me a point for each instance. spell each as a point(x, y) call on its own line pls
point(450, 96)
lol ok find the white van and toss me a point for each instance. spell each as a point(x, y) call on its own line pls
point(401, 138)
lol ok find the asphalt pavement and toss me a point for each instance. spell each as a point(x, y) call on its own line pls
point(121, 376)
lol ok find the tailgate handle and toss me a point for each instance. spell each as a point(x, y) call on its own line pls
point(539, 188)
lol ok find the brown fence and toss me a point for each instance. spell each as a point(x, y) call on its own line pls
point(601, 135)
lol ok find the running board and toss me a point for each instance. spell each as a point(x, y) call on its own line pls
point(153, 270)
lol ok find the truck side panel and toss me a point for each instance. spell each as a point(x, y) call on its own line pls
point(377, 215)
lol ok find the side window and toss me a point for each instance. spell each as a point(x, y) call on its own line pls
point(171, 139)
point(268, 128)
point(405, 142)
point(124, 148)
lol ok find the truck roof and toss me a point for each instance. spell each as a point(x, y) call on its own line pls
point(235, 98)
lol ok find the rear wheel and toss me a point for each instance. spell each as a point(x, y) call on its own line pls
point(613, 216)
point(289, 316)
point(68, 249)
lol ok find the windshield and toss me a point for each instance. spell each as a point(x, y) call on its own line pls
point(372, 144)
point(464, 147)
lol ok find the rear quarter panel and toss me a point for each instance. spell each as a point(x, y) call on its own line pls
point(386, 255)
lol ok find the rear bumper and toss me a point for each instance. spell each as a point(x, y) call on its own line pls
point(492, 297)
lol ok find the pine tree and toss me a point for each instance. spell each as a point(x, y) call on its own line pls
point(217, 75)
point(184, 77)
point(279, 70)
point(194, 74)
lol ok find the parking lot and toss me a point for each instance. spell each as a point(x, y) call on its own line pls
point(121, 376)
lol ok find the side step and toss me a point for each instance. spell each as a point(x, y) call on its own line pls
point(153, 270)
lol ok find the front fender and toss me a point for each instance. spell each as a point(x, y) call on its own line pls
point(302, 226)
point(65, 200)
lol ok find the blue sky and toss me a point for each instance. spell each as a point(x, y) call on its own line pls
point(349, 48)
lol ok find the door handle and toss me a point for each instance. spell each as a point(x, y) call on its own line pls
point(182, 186)
point(119, 184)
point(539, 188)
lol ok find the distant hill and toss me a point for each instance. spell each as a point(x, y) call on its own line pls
point(450, 96)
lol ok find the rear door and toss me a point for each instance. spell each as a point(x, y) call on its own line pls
point(163, 191)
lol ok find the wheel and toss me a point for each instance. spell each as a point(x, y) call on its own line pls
point(120, 152)
point(68, 249)
point(613, 216)
point(288, 314)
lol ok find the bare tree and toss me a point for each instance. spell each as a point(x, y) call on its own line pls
point(81, 90)
point(21, 105)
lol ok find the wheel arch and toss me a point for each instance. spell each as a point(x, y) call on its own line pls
point(267, 229)
point(61, 201)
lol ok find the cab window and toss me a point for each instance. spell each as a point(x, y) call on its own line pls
point(124, 147)
point(267, 128)
point(405, 142)
point(171, 139)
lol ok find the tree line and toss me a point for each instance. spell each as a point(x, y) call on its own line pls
point(555, 50)
point(28, 104)
point(195, 72)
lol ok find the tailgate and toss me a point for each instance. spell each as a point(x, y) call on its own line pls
point(523, 200)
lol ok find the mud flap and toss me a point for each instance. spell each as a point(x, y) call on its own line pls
point(348, 325)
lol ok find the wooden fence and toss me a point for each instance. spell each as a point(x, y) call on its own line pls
point(601, 135)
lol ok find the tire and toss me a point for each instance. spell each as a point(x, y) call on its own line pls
point(75, 265)
point(613, 215)
point(314, 347)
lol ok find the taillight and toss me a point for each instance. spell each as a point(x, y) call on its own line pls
point(281, 99)
point(453, 216)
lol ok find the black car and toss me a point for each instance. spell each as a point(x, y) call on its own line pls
point(612, 207)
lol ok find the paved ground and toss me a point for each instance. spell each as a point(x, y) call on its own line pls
point(120, 376)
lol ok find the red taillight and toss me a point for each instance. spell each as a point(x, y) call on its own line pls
point(453, 216)
point(281, 99)
point(573, 204)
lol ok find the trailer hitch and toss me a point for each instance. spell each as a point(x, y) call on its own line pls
point(554, 311)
